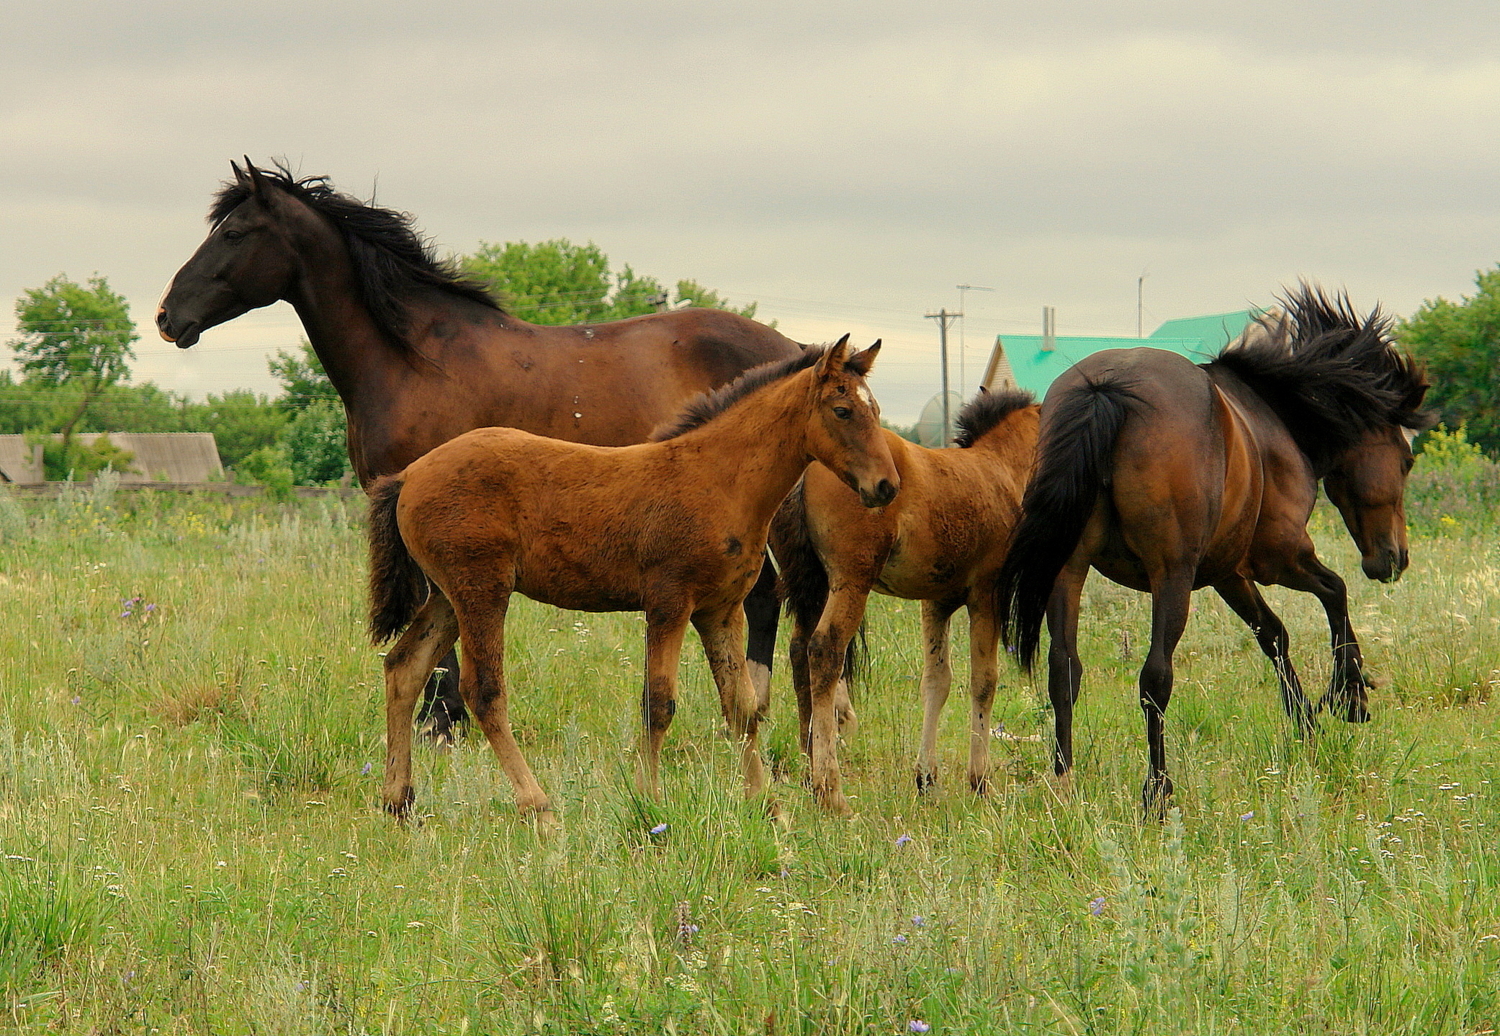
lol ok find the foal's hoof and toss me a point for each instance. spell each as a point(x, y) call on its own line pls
point(848, 721)
point(399, 805)
point(545, 822)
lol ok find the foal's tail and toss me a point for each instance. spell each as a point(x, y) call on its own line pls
point(398, 586)
point(1073, 456)
point(803, 582)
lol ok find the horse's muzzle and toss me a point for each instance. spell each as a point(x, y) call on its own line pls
point(183, 339)
point(881, 495)
point(1385, 566)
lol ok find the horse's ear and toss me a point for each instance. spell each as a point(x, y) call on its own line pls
point(257, 182)
point(861, 362)
point(239, 174)
point(834, 358)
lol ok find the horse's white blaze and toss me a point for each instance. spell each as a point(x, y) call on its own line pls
point(866, 395)
point(161, 308)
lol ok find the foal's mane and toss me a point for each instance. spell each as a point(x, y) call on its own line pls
point(1330, 374)
point(391, 259)
point(709, 405)
point(987, 409)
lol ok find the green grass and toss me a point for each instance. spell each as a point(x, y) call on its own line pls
point(190, 842)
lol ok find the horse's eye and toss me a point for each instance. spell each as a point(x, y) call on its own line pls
point(233, 235)
point(843, 413)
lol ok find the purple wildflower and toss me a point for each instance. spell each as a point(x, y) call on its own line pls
point(1247, 816)
point(919, 921)
point(77, 700)
point(902, 840)
point(659, 829)
point(917, 1025)
point(1096, 905)
point(365, 770)
point(900, 939)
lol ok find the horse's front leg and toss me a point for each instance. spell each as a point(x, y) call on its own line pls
point(407, 665)
point(984, 676)
point(826, 653)
point(937, 681)
point(666, 624)
point(483, 684)
point(1244, 597)
point(1348, 691)
point(723, 634)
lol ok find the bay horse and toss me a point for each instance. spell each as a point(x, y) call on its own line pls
point(675, 527)
point(941, 542)
point(1167, 476)
point(420, 354)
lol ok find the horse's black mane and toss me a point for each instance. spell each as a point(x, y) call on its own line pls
point(1330, 374)
point(391, 260)
point(705, 407)
point(987, 409)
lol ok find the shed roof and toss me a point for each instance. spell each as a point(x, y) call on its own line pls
point(157, 456)
point(1034, 368)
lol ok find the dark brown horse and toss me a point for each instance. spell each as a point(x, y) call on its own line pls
point(940, 542)
point(1168, 477)
point(675, 528)
point(419, 354)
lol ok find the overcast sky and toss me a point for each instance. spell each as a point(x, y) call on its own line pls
point(846, 165)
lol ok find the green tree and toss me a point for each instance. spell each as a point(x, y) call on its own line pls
point(303, 379)
point(74, 335)
point(1460, 344)
point(315, 443)
point(241, 423)
point(558, 282)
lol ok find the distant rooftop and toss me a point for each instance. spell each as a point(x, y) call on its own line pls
point(1020, 359)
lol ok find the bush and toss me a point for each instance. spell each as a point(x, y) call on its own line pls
point(1454, 482)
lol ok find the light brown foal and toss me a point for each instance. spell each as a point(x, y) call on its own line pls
point(941, 542)
point(675, 528)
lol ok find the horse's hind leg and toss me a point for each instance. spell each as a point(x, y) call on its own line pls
point(761, 612)
point(937, 680)
point(1270, 633)
point(431, 633)
point(723, 639)
point(442, 711)
point(484, 689)
point(1170, 594)
point(1064, 667)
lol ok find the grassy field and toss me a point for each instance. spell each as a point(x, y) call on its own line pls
point(191, 743)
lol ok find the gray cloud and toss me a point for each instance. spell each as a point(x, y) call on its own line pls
point(847, 165)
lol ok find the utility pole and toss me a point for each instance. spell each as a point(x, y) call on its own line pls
point(963, 370)
point(944, 318)
point(1140, 292)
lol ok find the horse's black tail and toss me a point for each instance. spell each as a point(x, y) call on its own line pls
point(1073, 454)
point(803, 582)
point(398, 587)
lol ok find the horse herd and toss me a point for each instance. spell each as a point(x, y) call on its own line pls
point(569, 465)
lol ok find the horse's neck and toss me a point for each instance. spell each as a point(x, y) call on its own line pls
point(340, 328)
point(760, 444)
point(1012, 442)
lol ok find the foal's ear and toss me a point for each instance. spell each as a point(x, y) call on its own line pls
point(834, 358)
point(861, 362)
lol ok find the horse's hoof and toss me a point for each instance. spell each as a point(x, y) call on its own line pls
point(848, 721)
point(545, 822)
point(1156, 794)
point(979, 783)
point(926, 781)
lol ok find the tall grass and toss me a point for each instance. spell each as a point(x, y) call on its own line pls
point(192, 841)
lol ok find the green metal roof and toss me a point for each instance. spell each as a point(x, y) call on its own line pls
point(1197, 338)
